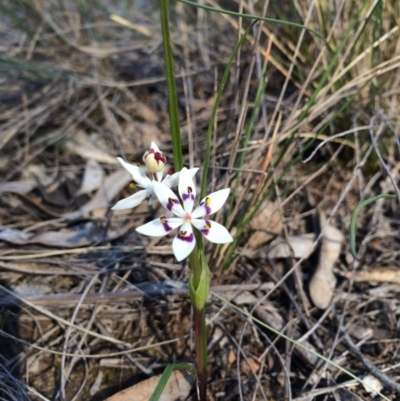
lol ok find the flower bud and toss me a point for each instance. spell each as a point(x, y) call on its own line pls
point(154, 159)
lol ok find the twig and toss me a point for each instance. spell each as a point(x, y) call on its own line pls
point(371, 367)
point(159, 290)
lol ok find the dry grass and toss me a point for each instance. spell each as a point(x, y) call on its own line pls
point(88, 306)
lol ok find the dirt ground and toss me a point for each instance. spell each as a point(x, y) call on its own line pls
point(89, 307)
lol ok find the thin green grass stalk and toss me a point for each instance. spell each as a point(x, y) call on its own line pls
point(256, 108)
point(215, 109)
point(297, 344)
point(249, 129)
point(171, 87)
point(355, 214)
point(310, 103)
point(88, 15)
point(244, 219)
point(325, 28)
point(362, 34)
point(34, 69)
point(15, 18)
point(250, 16)
point(165, 377)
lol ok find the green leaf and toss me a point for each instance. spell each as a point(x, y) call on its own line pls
point(171, 87)
point(200, 293)
point(166, 375)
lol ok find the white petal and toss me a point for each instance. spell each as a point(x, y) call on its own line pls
point(172, 181)
point(153, 199)
point(159, 227)
point(133, 200)
point(193, 171)
point(213, 231)
point(154, 147)
point(137, 173)
point(211, 203)
point(159, 175)
point(187, 190)
point(184, 242)
point(168, 199)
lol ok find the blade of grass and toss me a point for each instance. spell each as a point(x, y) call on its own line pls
point(258, 200)
point(355, 214)
point(245, 218)
point(262, 84)
point(215, 109)
point(171, 85)
point(250, 16)
point(166, 375)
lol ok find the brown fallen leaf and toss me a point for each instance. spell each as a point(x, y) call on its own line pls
point(267, 223)
point(249, 366)
point(90, 147)
point(21, 187)
point(299, 246)
point(92, 178)
point(177, 389)
point(231, 357)
point(378, 275)
point(104, 196)
point(75, 237)
point(323, 281)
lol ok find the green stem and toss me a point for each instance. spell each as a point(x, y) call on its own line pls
point(171, 87)
point(200, 334)
point(194, 261)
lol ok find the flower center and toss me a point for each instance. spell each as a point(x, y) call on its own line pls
point(187, 217)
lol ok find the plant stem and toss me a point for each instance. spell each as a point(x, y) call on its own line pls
point(195, 265)
point(171, 87)
point(200, 333)
point(201, 351)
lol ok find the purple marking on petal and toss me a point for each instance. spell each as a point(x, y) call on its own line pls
point(206, 228)
point(206, 204)
point(164, 222)
point(171, 203)
point(208, 209)
point(182, 235)
point(187, 196)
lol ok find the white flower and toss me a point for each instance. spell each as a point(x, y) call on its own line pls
point(184, 242)
point(154, 159)
point(142, 181)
